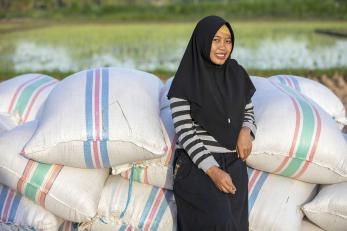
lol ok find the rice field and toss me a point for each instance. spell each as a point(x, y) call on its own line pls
point(33, 47)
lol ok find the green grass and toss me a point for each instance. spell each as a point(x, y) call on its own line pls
point(178, 10)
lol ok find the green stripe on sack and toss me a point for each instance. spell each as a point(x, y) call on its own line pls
point(26, 95)
point(138, 173)
point(305, 138)
point(36, 180)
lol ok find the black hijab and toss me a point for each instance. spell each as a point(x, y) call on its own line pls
point(217, 94)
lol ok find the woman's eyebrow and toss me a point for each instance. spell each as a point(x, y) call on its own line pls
point(218, 36)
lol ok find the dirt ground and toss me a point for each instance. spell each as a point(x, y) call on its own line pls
point(338, 84)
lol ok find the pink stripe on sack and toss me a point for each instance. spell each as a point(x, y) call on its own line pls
point(9, 201)
point(145, 175)
point(254, 177)
point(172, 148)
point(97, 104)
point(96, 154)
point(315, 144)
point(48, 184)
point(33, 100)
point(296, 131)
point(19, 89)
point(154, 210)
point(25, 176)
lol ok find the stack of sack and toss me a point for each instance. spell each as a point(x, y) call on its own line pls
point(299, 146)
point(58, 163)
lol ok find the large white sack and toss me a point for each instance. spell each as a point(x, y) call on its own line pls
point(274, 201)
point(19, 213)
point(295, 137)
point(319, 93)
point(100, 118)
point(69, 193)
point(148, 208)
point(329, 208)
point(156, 172)
point(21, 97)
point(307, 225)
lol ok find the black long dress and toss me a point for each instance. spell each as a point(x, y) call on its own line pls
point(200, 204)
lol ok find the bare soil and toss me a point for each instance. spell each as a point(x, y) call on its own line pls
point(338, 84)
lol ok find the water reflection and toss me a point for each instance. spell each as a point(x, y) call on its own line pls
point(268, 54)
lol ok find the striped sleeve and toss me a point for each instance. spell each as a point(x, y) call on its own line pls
point(187, 135)
point(248, 120)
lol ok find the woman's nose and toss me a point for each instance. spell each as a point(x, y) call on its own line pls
point(222, 45)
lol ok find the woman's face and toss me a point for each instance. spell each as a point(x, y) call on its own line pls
point(221, 46)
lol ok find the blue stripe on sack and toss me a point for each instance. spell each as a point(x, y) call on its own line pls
point(104, 104)
point(104, 154)
point(256, 190)
point(123, 227)
point(14, 207)
point(3, 195)
point(89, 105)
point(296, 83)
point(89, 119)
point(164, 204)
point(148, 206)
point(105, 85)
point(249, 171)
point(88, 154)
point(280, 78)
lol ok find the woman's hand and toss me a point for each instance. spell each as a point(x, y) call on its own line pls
point(221, 179)
point(244, 143)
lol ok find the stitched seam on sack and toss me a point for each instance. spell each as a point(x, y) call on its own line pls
point(120, 141)
point(325, 212)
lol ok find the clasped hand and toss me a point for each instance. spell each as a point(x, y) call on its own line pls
point(222, 179)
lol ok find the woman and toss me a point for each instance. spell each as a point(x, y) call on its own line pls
point(210, 101)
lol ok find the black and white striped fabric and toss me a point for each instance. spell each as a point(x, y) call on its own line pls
point(195, 140)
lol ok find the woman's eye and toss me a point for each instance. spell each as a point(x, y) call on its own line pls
point(215, 40)
point(228, 41)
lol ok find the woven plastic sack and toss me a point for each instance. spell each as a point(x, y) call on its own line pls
point(274, 201)
point(70, 193)
point(319, 93)
point(19, 213)
point(21, 97)
point(100, 118)
point(295, 137)
point(329, 208)
point(144, 207)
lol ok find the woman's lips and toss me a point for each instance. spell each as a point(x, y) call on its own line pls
point(220, 56)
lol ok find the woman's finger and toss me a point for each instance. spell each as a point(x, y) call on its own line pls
point(229, 185)
point(223, 189)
